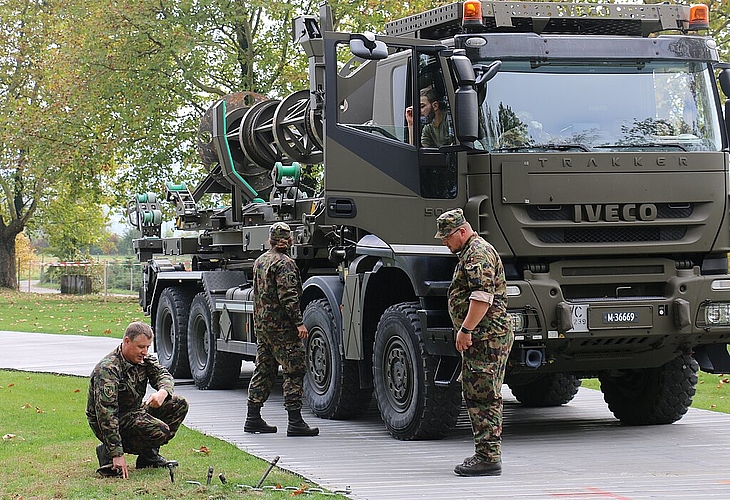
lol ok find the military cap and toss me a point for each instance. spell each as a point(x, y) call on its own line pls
point(279, 231)
point(448, 222)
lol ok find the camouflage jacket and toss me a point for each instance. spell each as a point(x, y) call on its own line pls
point(118, 387)
point(277, 289)
point(480, 270)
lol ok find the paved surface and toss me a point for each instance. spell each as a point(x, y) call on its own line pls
point(31, 286)
point(577, 451)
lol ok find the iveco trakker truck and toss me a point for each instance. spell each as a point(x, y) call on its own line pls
point(586, 142)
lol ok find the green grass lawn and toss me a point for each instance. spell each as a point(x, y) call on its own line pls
point(47, 452)
point(93, 315)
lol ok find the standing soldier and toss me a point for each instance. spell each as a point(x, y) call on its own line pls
point(478, 310)
point(115, 410)
point(277, 290)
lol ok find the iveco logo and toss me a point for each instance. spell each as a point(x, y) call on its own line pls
point(614, 212)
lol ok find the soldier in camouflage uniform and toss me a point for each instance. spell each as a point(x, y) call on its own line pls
point(115, 409)
point(478, 309)
point(277, 289)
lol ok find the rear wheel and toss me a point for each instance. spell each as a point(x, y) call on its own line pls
point(211, 368)
point(171, 337)
point(652, 396)
point(552, 389)
point(410, 403)
point(332, 383)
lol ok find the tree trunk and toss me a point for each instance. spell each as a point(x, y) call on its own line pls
point(8, 264)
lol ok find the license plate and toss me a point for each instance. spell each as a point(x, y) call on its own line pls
point(620, 317)
point(612, 317)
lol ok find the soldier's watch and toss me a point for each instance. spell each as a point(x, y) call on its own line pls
point(465, 330)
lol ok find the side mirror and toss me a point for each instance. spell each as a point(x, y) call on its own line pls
point(365, 46)
point(487, 74)
point(724, 78)
point(466, 105)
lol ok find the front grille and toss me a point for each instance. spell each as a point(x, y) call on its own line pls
point(609, 235)
point(565, 212)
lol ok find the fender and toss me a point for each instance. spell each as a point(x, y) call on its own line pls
point(325, 287)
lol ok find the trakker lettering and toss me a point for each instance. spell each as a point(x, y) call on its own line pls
point(614, 212)
point(615, 161)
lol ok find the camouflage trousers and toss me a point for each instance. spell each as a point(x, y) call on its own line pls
point(274, 349)
point(482, 374)
point(147, 428)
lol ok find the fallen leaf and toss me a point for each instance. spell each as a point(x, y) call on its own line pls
point(108, 331)
point(38, 410)
point(713, 406)
point(11, 385)
point(203, 449)
point(8, 436)
point(77, 390)
point(26, 405)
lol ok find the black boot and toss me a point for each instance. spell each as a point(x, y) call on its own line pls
point(255, 424)
point(298, 427)
point(151, 458)
point(105, 462)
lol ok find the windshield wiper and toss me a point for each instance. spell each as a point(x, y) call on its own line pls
point(643, 145)
point(546, 147)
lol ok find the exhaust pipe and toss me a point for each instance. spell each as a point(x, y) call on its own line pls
point(534, 358)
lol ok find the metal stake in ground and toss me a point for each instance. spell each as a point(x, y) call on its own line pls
point(171, 464)
point(271, 466)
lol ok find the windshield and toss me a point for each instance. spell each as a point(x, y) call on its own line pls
point(661, 105)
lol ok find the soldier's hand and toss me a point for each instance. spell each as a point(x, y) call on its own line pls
point(463, 341)
point(155, 400)
point(409, 116)
point(302, 330)
point(119, 463)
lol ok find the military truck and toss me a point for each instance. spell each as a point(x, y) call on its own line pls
point(586, 142)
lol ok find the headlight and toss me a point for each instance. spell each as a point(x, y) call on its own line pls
point(518, 322)
point(717, 314)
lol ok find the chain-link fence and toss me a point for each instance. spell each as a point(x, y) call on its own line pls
point(122, 276)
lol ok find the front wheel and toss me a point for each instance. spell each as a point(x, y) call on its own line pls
point(332, 383)
point(652, 396)
point(211, 368)
point(410, 403)
point(171, 337)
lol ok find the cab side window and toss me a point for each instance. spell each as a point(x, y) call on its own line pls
point(435, 124)
point(437, 168)
point(372, 95)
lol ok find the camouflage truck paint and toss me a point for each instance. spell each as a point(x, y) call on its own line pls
point(590, 151)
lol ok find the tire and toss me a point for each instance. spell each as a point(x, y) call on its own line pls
point(410, 404)
point(652, 396)
point(331, 383)
point(171, 337)
point(553, 389)
point(211, 369)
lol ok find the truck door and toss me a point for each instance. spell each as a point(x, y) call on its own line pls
point(388, 128)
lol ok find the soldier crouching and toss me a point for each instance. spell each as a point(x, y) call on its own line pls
point(116, 412)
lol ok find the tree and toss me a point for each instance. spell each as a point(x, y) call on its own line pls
point(48, 135)
point(74, 222)
point(23, 251)
point(111, 93)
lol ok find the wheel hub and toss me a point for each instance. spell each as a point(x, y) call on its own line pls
point(399, 378)
point(318, 361)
